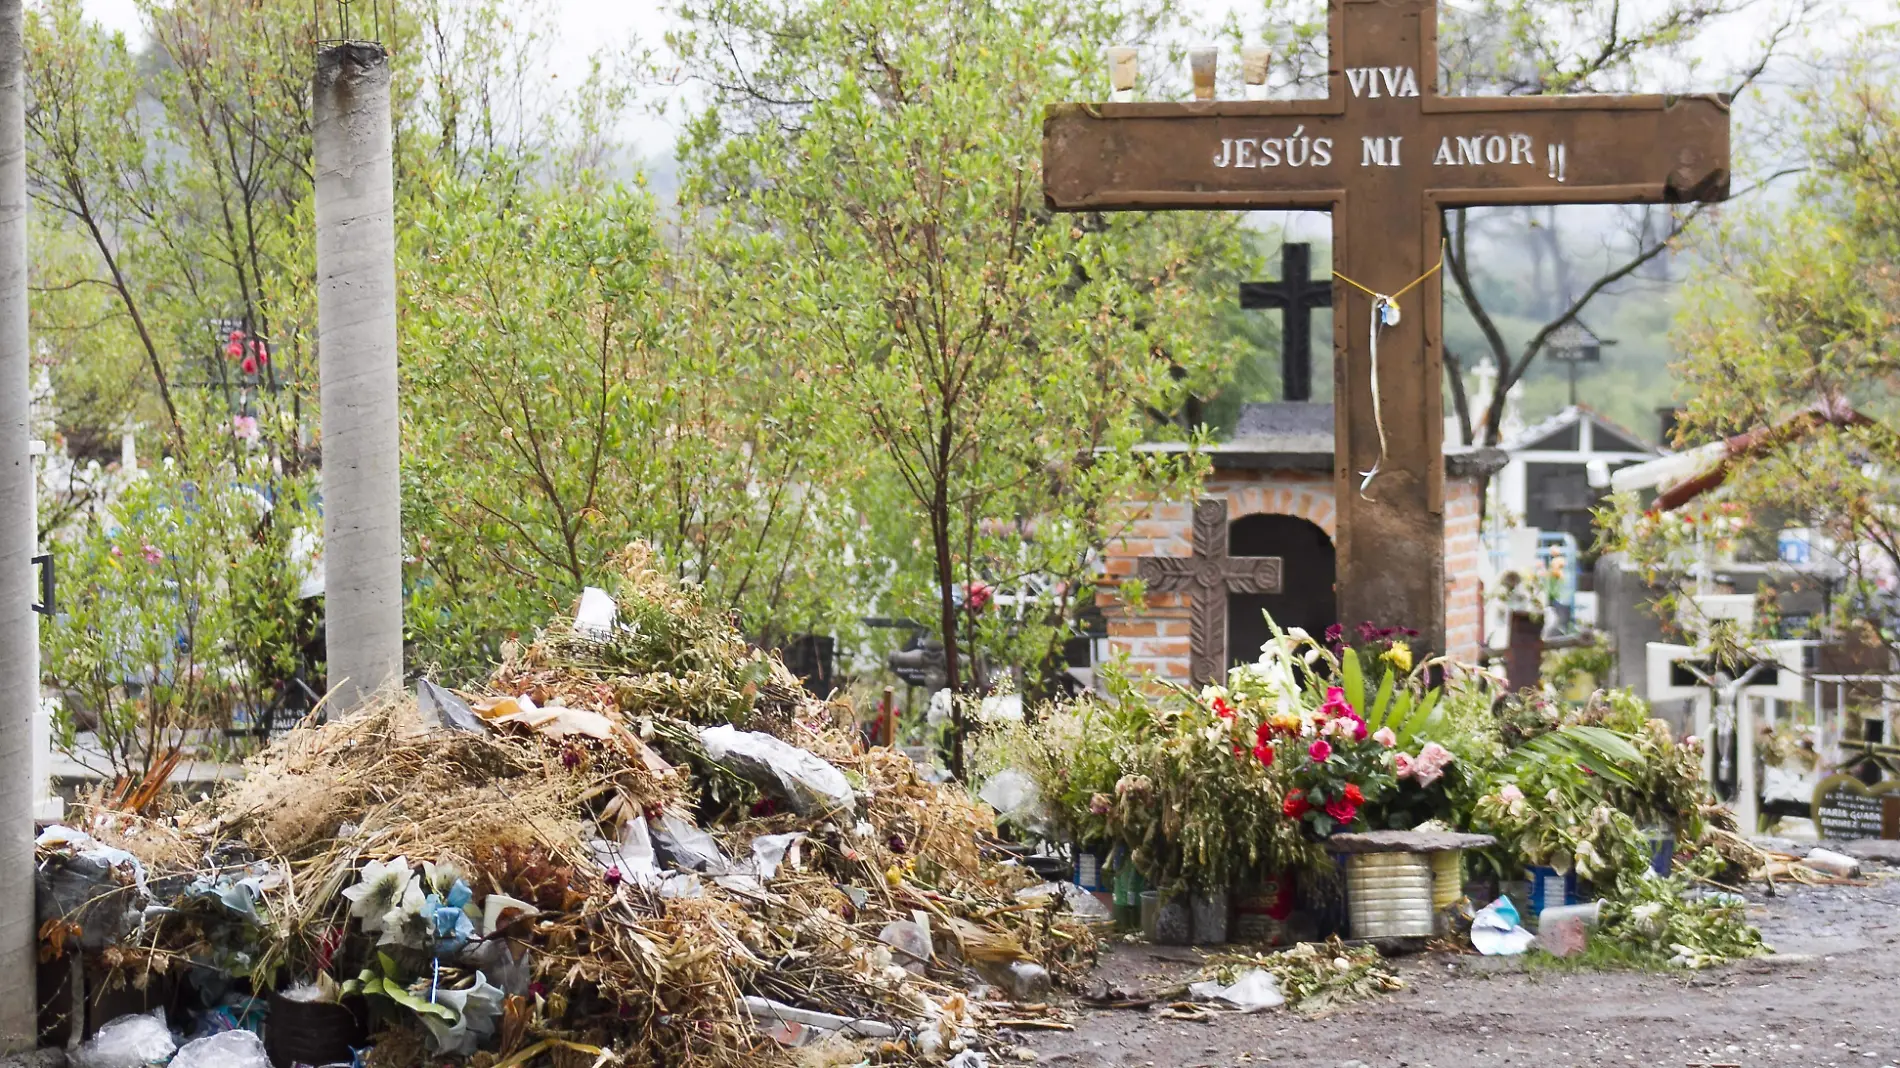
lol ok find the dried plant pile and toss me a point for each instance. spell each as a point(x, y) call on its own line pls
point(511, 819)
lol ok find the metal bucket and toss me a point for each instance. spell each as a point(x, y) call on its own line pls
point(1448, 878)
point(1389, 895)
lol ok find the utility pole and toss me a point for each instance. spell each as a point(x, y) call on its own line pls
point(356, 362)
point(19, 535)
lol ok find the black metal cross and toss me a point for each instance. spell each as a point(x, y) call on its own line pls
point(1297, 295)
point(1207, 578)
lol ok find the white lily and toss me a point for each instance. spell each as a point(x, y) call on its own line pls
point(379, 891)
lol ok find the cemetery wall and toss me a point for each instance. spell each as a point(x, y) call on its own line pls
point(1155, 639)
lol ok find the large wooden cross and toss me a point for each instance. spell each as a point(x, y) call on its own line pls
point(1207, 578)
point(1385, 153)
point(1296, 295)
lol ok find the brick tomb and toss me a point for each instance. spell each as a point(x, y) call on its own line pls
point(1275, 481)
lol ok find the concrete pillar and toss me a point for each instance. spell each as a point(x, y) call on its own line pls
point(19, 628)
point(356, 360)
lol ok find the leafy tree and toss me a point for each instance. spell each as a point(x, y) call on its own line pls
point(1795, 324)
point(1536, 47)
point(881, 164)
point(575, 386)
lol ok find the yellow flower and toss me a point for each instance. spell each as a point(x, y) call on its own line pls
point(1400, 656)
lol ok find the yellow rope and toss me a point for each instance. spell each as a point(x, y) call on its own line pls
point(1407, 288)
point(1379, 301)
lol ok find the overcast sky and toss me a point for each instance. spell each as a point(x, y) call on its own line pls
point(584, 26)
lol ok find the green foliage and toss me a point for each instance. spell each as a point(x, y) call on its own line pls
point(876, 164)
point(1798, 306)
point(186, 612)
point(575, 387)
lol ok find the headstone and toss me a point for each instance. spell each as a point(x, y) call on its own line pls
point(1386, 154)
point(1846, 808)
point(1208, 577)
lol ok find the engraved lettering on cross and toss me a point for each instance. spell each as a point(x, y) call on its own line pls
point(1207, 578)
point(1386, 152)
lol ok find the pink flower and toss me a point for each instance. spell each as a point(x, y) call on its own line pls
point(1510, 794)
point(1429, 767)
point(249, 366)
point(1335, 703)
point(245, 427)
point(1402, 765)
point(1385, 737)
point(1358, 729)
point(151, 553)
point(1319, 750)
point(234, 349)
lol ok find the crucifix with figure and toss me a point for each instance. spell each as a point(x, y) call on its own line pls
point(1295, 295)
point(1386, 154)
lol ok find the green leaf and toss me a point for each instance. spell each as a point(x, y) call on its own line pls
point(1384, 699)
point(1352, 679)
point(1603, 752)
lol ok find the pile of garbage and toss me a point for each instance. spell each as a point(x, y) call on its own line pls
point(642, 841)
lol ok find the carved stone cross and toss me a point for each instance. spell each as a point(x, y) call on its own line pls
point(1386, 154)
point(1207, 578)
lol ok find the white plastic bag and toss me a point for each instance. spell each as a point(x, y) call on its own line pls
point(226, 1049)
point(1495, 931)
point(128, 1042)
point(1254, 990)
point(812, 786)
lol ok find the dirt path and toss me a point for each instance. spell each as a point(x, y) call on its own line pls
point(1830, 996)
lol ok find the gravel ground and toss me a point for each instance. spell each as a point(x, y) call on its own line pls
point(1829, 996)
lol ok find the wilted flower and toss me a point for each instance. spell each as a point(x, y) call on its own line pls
point(1100, 804)
point(1510, 793)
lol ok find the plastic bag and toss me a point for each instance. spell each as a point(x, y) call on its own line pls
point(1253, 990)
point(812, 786)
point(227, 1049)
point(1014, 797)
point(128, 1042)
point(1495, 931)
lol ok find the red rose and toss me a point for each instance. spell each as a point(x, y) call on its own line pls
point(1342, 810)
point(1262, 733)
point(1223, 709)
point(1295, 805)
point(1353, 795)
point(1264, 754)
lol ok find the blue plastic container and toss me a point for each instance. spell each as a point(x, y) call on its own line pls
point(1550, 889)
point(1662, 855)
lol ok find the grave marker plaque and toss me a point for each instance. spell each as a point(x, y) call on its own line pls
point(1846, 808)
